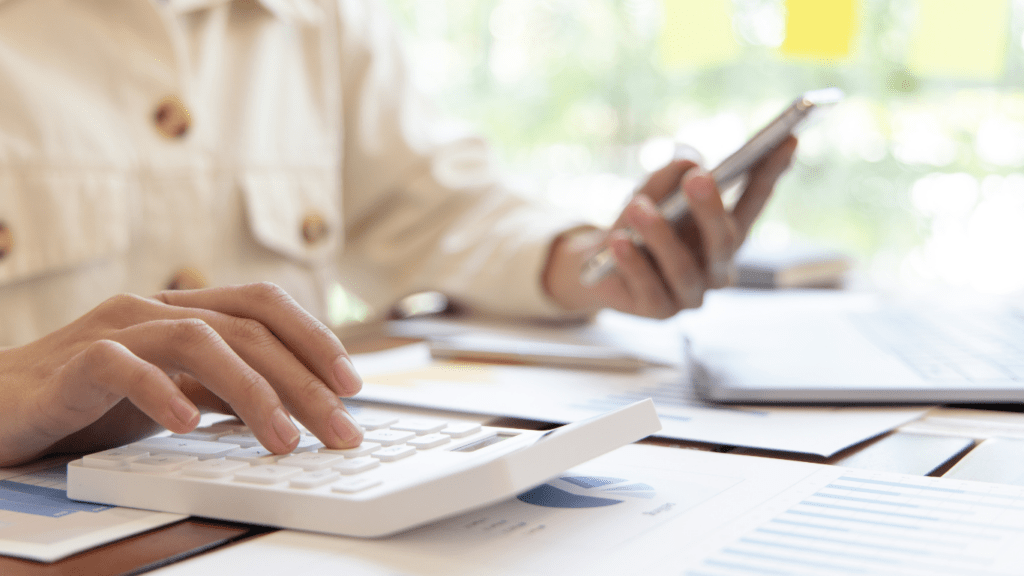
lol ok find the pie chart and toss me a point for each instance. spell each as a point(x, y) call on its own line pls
point(586, 492)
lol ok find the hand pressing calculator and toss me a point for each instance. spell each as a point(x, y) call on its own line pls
point(407, 472)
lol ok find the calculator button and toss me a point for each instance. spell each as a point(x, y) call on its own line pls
point(362, 450)
point(375, 422)
point(271, 474)
point(420, 426)
point(461, 430)
point(356, 465)
point(161, 463)
point(392, 453)
point(429, 441)
point(258, 455)
point(228, 426)
point(196, 448)
point(245, 440)
point(204, 435)
point(213, 468)
point(314, 479)
point(352, 485)
point(308, 444)
point(311, 460)
point(389, 437)
point(114, 458)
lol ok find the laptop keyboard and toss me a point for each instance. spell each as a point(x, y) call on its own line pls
point(951, 345)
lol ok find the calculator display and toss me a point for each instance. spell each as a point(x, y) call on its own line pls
point(489, 441)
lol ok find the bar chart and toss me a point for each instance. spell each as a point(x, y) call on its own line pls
point(859, 524)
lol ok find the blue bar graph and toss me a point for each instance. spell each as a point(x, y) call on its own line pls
point(41, 501)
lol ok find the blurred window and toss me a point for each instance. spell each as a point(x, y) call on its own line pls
point(918, 173)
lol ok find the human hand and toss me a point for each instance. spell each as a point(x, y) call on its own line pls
point(681, 261)
point(106, 378)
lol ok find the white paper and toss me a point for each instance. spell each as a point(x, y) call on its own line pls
point(656, 341)
point(670, 511)
point(38, 522)
point(406, 375)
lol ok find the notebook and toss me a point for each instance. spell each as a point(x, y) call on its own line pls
point(818, 347)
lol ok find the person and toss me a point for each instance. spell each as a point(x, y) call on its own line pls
point(183, 183)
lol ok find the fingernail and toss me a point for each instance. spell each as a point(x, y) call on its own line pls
point(618, 241)
point(642, 213)
point(647, 207)
point(183, 410)
point(283, 426)
point(346, 427)
point(698, 185)
point(348, 380)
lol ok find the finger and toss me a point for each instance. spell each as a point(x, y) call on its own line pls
point(301, 391)
point(761, 182)
point(315, 344)
point(100, 376)
point(193, 347)
point(662, 182)
point(648, 295)
point(201, 396)
point(716, 227)
point(678, 269)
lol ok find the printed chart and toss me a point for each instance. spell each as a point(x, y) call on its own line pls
point(863, 525)
point(586, 492)
point(39, 522)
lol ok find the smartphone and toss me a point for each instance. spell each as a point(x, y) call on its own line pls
point(675, 205)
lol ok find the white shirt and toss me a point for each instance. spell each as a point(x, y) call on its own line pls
point(307, 161)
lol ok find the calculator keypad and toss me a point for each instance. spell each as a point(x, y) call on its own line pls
point(419, 426)
point(314, 479)
point(312, 460)
point(392, 453)
point(428, 441)
point(213, 468)
point(364, 449)
point(357, 465)
point(161, 463)
point(389, 437)
point(231, 453)
point(267, 473)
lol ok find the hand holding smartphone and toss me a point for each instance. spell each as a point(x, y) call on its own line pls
point(674, 206)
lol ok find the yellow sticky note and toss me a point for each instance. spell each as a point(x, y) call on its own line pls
point(698, 33)
point(960, 38)
point(819, 28)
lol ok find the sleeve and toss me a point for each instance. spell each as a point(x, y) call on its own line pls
point(424, 210)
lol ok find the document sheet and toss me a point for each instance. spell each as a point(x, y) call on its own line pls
point(407, 375)
point(652, 510)
point(39, 522)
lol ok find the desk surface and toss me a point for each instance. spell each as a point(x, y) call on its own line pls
point(930, 446)
point(139, 553)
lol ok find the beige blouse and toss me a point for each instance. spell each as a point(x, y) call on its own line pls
point(146, 145)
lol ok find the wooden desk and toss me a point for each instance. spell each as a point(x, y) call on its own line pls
point(139, 553)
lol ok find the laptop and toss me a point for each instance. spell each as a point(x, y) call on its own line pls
point(821, 347)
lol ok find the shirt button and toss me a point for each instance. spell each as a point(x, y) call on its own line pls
point(6, 240)
point(171, 118)
point(314, 228)
point(187, 279)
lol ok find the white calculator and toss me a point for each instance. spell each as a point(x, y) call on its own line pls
point(406, 473)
